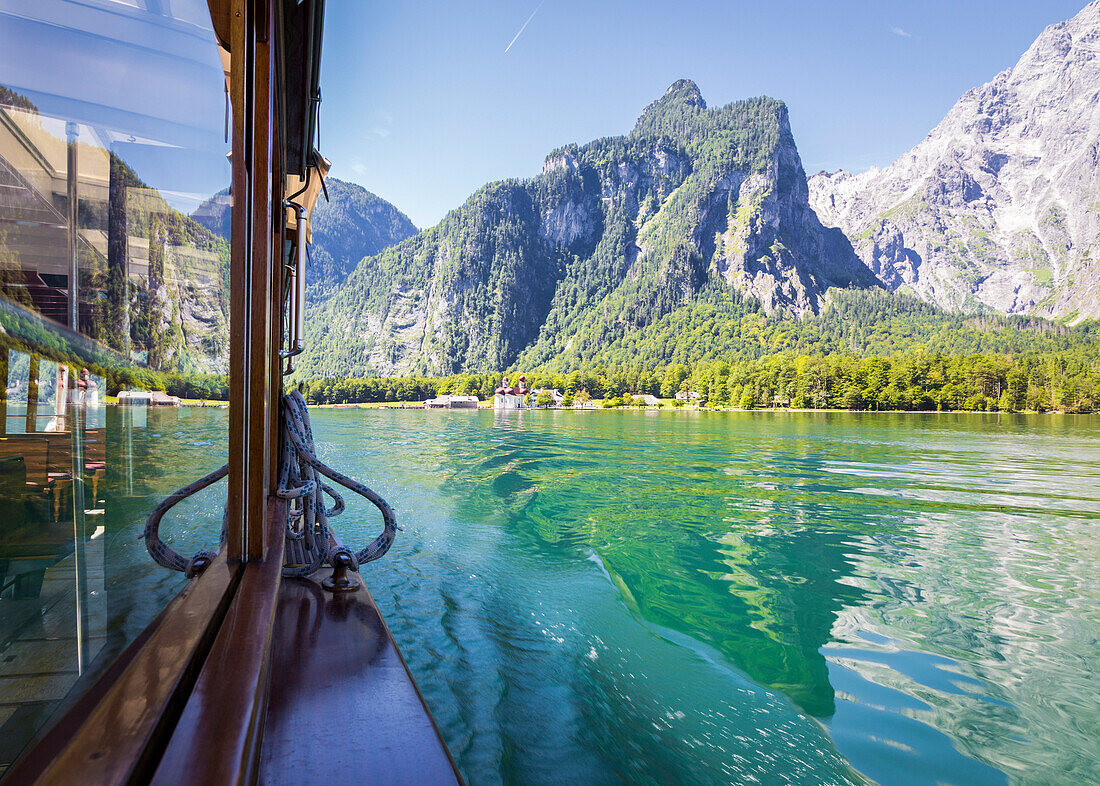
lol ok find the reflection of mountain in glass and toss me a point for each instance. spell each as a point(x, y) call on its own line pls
point(152, 283)
point(112, 122)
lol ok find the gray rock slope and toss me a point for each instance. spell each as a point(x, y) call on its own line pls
point(999, 206)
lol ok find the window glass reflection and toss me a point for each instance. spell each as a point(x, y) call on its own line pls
point(114, 263)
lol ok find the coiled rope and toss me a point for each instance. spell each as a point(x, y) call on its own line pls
point(310, 540)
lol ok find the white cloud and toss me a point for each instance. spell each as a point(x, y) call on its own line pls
point(902, 33)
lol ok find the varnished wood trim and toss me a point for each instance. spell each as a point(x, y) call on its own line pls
point(32, 395)
point(221, 14)
point(278, 233)
point(74, 711)
point(261, 341)
point(416, 689)
point(217, 739)
point(350, 685)
point(121, 739)
point(275, 313)
point(238, 290)
point(3, 390)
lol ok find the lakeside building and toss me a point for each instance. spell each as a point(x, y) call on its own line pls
point(689, 396)
point(452, 402)
point(650, 400)
point(511, 396)
point(143, 398)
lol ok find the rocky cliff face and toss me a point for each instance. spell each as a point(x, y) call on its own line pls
point(611, 236)
point(999, 206)
point(774, 246)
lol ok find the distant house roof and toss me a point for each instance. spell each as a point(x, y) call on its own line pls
point(452, 402)
point(141, 398)
point(165, 400)
point(650, 401)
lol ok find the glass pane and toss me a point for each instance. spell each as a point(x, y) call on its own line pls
point(113, 279)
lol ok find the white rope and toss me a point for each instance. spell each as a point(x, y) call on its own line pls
point(310, 540)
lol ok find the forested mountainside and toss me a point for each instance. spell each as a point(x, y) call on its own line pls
point(612, 237)
point(1059, 381)
point(999, 206)
point(868, 349)
point(351, 224)
point(719, 325)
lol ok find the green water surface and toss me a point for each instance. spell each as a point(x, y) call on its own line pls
point(601, 597)
point(757, 597)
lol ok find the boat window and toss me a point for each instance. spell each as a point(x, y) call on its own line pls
point(114, 258)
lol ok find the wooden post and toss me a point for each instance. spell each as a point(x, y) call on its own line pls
point(74, 266)
point(240, 290)
point(261, 336)
point(61, 397)
point(118, 259)
point(275, 316)
point(3, 390)
point(76, 421)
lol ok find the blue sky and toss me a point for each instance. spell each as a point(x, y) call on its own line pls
point(422, 104)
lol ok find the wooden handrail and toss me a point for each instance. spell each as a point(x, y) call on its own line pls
point(217, 739)
point(344, 684)
point(119, 738)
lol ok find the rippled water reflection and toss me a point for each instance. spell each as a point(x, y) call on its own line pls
point(609, 596)
point(600, 597)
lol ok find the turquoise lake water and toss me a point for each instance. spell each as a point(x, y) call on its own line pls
point(612, 596)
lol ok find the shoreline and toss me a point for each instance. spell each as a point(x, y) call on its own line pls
point(419, 405)
point(410, 405)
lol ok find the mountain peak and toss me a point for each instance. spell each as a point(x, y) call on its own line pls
point(686, 92)
point(958, 219)
point(682, 99)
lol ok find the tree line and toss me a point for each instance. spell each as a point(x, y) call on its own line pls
point(1066, 381)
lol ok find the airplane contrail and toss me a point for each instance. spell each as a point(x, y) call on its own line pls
point(532, 16)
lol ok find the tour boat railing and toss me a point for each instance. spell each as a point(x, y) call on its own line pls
point(310, 541)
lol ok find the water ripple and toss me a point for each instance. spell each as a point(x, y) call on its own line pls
point(744, 597)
